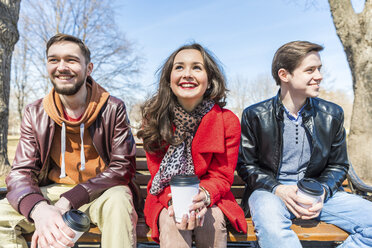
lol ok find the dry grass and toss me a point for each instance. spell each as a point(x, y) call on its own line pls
point(12, 145)
point(2, 182)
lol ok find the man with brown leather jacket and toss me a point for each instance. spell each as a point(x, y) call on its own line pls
point(294, 136)
point(76, 151)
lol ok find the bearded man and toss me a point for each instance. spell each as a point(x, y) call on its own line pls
point(76, 151)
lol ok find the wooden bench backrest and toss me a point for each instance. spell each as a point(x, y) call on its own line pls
point(308, 230)
point(143, 176)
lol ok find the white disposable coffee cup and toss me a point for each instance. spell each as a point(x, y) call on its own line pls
point(183, 188)
point(78, 222)
point(311, 190)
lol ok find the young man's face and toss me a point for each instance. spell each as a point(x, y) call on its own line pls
point(304, 81)
point(67, 68)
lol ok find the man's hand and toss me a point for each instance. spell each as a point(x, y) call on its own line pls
point(63, 204)
point(288, 194)
point(316, 208)
point(49, 226)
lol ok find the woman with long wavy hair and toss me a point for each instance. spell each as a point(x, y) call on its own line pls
point(185, 131)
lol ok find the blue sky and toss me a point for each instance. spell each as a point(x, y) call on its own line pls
point(243, 34)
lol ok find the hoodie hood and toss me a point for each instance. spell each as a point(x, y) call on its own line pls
point(96, 98)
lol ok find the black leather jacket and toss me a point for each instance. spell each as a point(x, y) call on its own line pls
point(260, 151)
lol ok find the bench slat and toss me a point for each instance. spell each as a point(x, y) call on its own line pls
point(238, 193)
point(238, 180)
point(142, 178)
point(312, 230)
point(94, 234)
point(141, 165)
point(306, 231)
point(140, 152)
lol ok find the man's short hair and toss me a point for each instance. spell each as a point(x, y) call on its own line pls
point(290, 55)
point(66, 37)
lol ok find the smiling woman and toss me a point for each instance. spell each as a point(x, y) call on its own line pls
point(186, 131)
point(158, 112)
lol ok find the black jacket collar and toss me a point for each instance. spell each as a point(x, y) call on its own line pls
point(279, 107)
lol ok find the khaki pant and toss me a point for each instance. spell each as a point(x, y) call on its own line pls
point(213, 233)
point(113, 212)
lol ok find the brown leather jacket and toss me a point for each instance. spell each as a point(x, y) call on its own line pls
point(111, 137)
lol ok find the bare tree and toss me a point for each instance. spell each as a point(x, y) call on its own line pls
point(20, 73)
point(115, 63)
point(9, 12)
point(329, 92)
point(244, 92)
point(355, 32)
point(342, 99)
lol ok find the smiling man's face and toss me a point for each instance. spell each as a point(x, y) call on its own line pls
point(67, 67)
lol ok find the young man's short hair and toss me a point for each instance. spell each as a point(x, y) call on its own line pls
point(66, 37)
point(290, 55)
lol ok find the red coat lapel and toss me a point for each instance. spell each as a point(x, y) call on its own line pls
point(210, 136)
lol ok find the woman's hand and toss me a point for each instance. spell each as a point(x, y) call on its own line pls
point(186, 223)
point(197, 212)
point(199, 204)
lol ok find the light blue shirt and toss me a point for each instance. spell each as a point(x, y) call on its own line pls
point(296, 149)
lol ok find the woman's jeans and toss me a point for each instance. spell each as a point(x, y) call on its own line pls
point(272, 219)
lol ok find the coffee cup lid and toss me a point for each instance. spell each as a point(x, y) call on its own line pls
point(77, 220)
point(184, 180)
point(310, 186)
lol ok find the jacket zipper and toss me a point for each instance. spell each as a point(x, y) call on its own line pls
point(280, 129)
point(307, 130)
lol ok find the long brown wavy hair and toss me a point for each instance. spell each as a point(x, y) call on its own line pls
point(157, 112)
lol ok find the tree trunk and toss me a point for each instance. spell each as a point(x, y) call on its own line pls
point(9, 13)
point(355, 33)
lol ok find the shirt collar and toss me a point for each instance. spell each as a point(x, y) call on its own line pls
point(291, 117)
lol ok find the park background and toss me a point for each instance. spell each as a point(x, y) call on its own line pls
point(243, 34)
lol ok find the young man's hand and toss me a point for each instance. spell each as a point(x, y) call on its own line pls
point(288, 194)
point(49, 226)
point(63, 204)
point(316, 208)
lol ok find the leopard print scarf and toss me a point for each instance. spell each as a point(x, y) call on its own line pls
point(178, 160)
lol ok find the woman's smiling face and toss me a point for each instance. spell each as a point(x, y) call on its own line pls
point(189, 79)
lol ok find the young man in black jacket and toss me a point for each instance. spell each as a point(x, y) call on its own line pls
point(292, 136)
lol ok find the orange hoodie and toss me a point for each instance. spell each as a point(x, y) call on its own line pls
point(71, 164)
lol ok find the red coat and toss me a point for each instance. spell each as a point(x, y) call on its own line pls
point(215, 152)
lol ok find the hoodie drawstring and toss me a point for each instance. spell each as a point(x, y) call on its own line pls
point(82, 156)
point(63, 149)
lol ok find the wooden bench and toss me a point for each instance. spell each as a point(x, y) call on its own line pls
point(306, 230)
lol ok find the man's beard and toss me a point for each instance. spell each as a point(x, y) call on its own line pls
point(68, 91)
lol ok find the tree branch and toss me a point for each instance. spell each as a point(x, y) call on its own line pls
point(346, 22)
